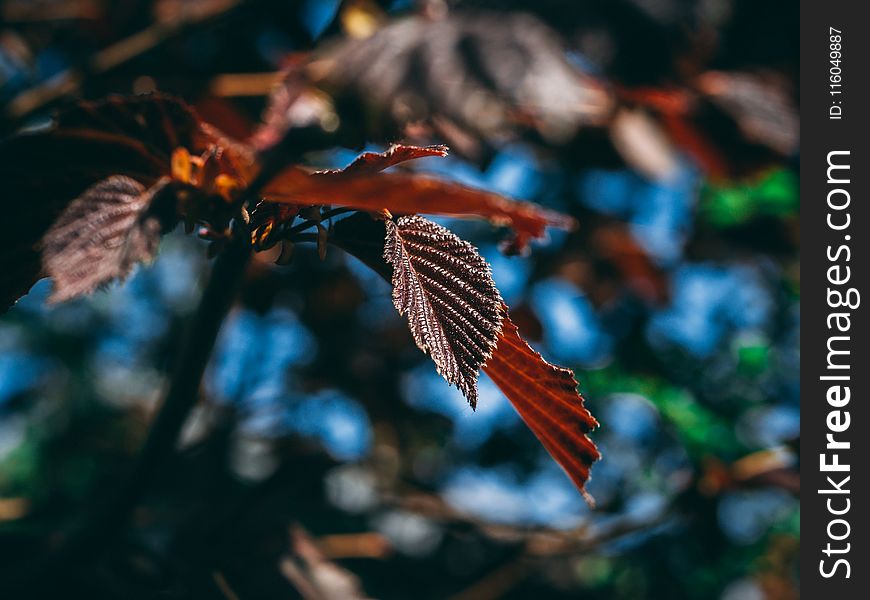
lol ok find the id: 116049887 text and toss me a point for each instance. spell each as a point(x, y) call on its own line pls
point(835, 74)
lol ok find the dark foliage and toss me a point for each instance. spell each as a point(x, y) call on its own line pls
point(246, 415)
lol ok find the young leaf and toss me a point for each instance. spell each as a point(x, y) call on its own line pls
point(544, 395)
point(446, 290)
point(547, 399)
point(100, 236)
point(361, 186)
point(373, 162)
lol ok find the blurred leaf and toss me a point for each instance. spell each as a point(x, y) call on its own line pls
point(644, 145)
point(466, 77)
point(775, 193)
point(616, 244)
point(760, 103)
point(753, 356)
point(732, 124)
point(702, 431)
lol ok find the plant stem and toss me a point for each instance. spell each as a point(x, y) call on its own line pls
point(183, 394)
point(333, 212)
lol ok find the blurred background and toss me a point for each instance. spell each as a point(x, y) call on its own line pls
point(327, 458)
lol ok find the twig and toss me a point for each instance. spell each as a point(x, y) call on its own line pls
point(114, 55)
point(333, 212)
point(497, 583)
point(542, 543)
point(244, 84)
point(224, 586)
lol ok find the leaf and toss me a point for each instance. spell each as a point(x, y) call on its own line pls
point(101, 236)
point(363, 237)
point(445, 288)
point(615, 244)
point(733, 124)
point(267, 218)
point(644, 145)
point(123, 135)
point(363, 188)
point(44, 169)
point(374, 162)
point(760, 103)
point(544, 395)
point(547, 399)
point(472, 79)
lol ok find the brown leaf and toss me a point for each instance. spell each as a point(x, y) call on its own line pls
point(445, 288)
point(101, 236)
point(547, 399)
point(44, 170)
point(614, 243)
point(363, 188)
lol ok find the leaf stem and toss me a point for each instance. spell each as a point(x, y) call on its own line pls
point(333, 212)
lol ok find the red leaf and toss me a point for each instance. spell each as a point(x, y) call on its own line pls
point(374, 162)
point(547, 399)
point(360, 186)
point(615, 243)
point(544, 395)
point(44, 170)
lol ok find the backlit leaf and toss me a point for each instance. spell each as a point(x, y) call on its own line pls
point(544, 395)
point(445, 289)
point(101, 236)
point(361, 186)
point(547, 399)
point(43, 170)
point(374, 162)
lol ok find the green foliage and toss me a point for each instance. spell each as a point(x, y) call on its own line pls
point(773, 194)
